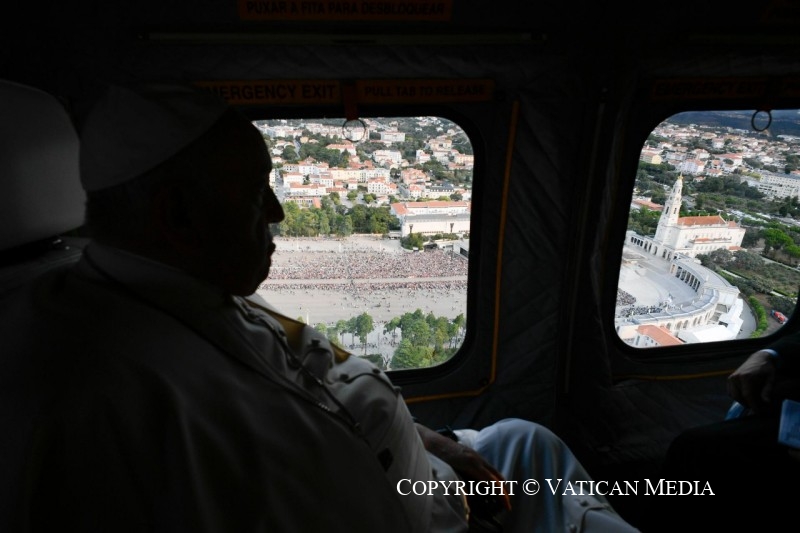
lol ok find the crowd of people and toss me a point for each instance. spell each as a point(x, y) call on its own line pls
point(358, 290)
point(366, 264)
point(625, 298)
point(369, 275)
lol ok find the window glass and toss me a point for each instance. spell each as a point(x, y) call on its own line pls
point(712, 246)
point(375, 244)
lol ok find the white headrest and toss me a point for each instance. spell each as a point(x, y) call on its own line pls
point(41, 192)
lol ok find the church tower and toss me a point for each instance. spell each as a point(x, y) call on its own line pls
point(670, 214)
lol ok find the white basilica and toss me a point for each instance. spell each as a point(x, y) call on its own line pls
point(676, 299)
point(690, 236)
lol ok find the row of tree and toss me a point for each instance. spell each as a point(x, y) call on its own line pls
point(753, 274)
point(425, 339)
point(333, 218)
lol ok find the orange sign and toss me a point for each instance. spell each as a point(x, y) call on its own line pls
point(271, 92)
point(423, 91)
point(345, 9)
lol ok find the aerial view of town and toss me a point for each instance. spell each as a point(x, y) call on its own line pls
point(374, 247)
point(375, 244)
point(713, 242)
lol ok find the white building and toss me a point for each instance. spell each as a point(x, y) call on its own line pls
point(392, 136)
point(389, 157)
point(381, 187)
point(299, 190)
point(651, 156)
point(703, 308)
point(690, 236)
point(292, 178)
point(692, 166)
point(774, 185)
point(430, 218)
point(467, 160)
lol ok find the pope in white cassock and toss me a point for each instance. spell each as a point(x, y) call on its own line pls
point(154, 392)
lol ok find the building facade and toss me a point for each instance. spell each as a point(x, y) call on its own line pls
point(691, 236)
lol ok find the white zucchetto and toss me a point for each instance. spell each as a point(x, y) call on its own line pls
point(132, 130)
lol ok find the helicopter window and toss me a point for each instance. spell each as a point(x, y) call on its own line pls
point(374, 247)
point(712, 249)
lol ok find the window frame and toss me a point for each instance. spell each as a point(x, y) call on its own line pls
point(644, 115)
point(422, 374)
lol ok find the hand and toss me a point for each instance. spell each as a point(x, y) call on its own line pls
point(466, 462)
point(751, 384)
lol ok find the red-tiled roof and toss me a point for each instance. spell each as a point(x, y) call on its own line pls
point(659, 334)
point(708, 220)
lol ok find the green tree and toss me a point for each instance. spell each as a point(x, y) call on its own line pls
point(324, 224)
point(721, 257)
point(290, 212)
point(643, 221)
point(407, 355)
point(341, 329)
point(751, 237)
point(380, 220)
point(775, 238)
point(658, 196)
point(435, 169)
point(343, 226)
point(439, 331)
point(761, 316)
point(344, 159)
point(457, 330)
point(390, 328)
point(363, 326)
point(351, 328)
point(748, 261)
point(306, 224)
point(412, 240)
point(699, 200)
point(360, 216)
point(792, 250)
point(289, 154)
point(415, 328)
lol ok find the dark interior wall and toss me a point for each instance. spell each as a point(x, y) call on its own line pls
point(566, 95)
